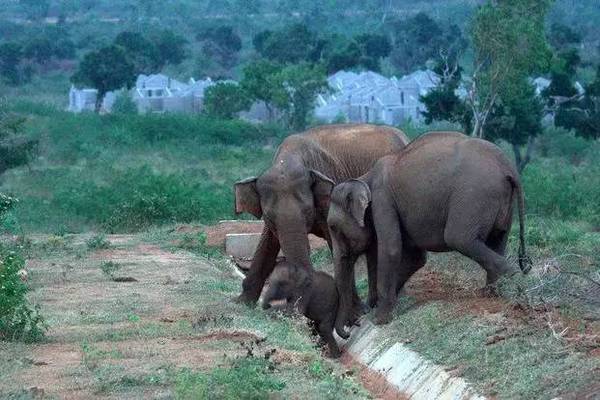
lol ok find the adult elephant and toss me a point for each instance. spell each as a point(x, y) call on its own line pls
point(292, 196)
point(445, 191)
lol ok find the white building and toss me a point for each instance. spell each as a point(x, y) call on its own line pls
point(371, 97)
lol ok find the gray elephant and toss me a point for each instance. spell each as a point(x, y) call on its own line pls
point(316, 298)
point(292, 196)
point(445, 191)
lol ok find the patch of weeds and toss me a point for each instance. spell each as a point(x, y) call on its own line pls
point(242, 378)
point(196, 243)
point(93, 355)
point(331, 385)
point(97, 242)
point(18, 319)
point(109, 268)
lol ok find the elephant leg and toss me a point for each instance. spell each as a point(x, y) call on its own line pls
point(497, 241)
point(326, 332)
point(494, 264)
point(413, 259)
point(467, 233)
point(358, 307)
point(389, 256)
point(262, 265)
point(372, 274)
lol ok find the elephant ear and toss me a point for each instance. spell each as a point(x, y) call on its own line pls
point(321, 188)
point(247, 198)
point(358, 199)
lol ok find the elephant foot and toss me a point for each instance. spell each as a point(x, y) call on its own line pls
point(372, 302)
point(334, 353)
point(489, 291)
point(343, 333)
point(246, 299)
point(383, 316)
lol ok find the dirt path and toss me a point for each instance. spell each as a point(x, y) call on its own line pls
point(135, 339)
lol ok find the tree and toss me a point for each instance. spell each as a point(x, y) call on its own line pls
point(295, 89)
point(170, 47)
point(16, 148)
point(442, 103)
point(292, 44)
point(562, 36)
point(142, 52)
point(510, 45)
point(225, 100)
point(221, 44)
point(582, 114)
point(418, 39)
point(517, 120)
point(106, 69)
point(257, 80)
point(10, 63)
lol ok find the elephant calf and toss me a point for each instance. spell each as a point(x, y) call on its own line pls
point(317, 299)
point(445, 191)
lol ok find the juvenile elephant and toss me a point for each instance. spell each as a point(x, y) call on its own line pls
point(292, 196)
point(445, 191)
point(317, 300)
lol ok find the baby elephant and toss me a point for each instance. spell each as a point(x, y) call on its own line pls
point(315, 295)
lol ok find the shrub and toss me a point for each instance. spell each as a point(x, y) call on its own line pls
point(18, 320)
point(124, 105)
point(97, 242)
point(246, 378)
point(109, 268)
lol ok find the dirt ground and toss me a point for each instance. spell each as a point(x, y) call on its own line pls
point(131, 339)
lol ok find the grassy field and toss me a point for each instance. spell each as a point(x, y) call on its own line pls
point(131, 179)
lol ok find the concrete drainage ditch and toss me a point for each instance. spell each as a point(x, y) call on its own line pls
point(376, 349)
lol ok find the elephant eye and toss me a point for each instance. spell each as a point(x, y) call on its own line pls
point(333, 228)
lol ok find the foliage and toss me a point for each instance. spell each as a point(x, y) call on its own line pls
point(171, 47)
point(256, 81)
point(295, 89)
point(18, 320)
point(109, 268)
point(225, 100)
point(418, 39)
point(510, 46)
point(562, 36)
point(142, 52)
point(245, 378)
point(106, 69)
point(12, 68)
point(293, 44)
point(222, 44)
point(97, 242)
point(582, 113)
point(124, 104)
point(16, 149)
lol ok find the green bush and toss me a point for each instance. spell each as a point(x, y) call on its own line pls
point(18, 320)
point(559, 189)
point(124, 104)
point(246, 378)
point(97, 242)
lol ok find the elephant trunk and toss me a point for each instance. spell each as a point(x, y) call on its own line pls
point(344, 273)
point(295, 248)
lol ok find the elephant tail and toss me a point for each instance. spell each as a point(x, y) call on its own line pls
point(524, 260)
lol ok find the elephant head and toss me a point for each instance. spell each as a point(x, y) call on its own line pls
point(287, 282)
point(351, 234)
point(288, 197)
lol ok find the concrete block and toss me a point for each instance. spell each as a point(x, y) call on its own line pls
point(242, 245)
